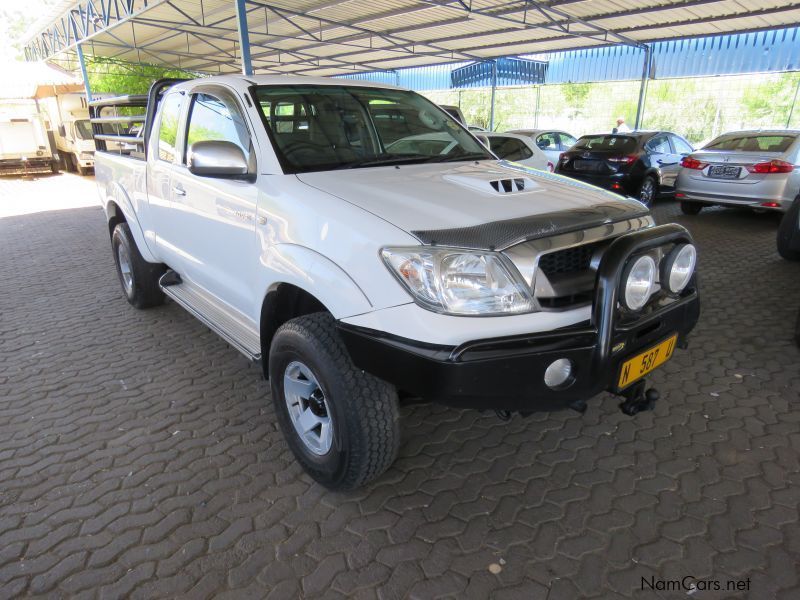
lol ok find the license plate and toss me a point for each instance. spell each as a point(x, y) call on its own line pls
point(642, 364)
point(588, 165)
point(723, 172)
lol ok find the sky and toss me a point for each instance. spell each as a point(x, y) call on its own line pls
point(15, 18)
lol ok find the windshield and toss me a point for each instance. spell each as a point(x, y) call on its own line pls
point(606, 143)
point(320, 128)
point(752, 143)
point(83, 129)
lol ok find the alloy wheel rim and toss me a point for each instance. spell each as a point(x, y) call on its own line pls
point(125, 268)
point(646, 194)
point(307, 406)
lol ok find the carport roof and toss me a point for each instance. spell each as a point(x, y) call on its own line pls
point(334, 37)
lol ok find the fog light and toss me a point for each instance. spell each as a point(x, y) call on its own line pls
point(677, 268)
point(558, 373)
point(637, 282)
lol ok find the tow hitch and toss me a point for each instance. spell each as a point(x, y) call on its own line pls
point(638, 398)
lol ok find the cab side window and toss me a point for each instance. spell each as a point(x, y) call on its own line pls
point(168, 127)
point(215, 119)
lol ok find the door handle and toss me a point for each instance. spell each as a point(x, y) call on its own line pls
point(178, 190)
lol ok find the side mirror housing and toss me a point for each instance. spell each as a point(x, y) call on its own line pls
point(215, 158)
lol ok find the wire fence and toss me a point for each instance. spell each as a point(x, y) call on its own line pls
point(698, 108)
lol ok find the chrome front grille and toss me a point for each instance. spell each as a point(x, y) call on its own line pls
point(562, 269)
point(569, 260)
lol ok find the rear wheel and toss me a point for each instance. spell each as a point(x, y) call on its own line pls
point(139, 278)
point(341, 423)
point(648, 191)
point(691, 208)
point(789, 232)
point(797, 330)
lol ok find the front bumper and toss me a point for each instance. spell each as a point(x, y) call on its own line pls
point(507, 373)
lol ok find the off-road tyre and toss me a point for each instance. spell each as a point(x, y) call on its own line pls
point(363, 409)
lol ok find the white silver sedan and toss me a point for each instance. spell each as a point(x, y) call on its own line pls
point(752, 169)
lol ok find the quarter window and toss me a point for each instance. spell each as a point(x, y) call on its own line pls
point(681, 145)
point(213, 119)
point(567, 141)
point(509, 148)
point(659, 145)
point(547, 141)
point(168, 128)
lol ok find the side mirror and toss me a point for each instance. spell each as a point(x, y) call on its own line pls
point(62, 131)
point(214, 158)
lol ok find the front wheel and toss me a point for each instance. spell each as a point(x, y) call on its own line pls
point(648, 191)
point(138, 277)
point(691, 208)
point(341, 423)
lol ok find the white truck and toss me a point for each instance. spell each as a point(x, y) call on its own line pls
point(25, 147)
point(69, 120)
point(272, 209)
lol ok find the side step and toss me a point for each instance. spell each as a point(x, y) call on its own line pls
point(218, 318)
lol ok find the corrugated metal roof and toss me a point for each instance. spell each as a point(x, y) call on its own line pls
point(329, 37)
point(765, 51)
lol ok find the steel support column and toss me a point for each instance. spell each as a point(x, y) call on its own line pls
point(648, 59)
point(82, 62)
point(244, 37)
point(494, 89)
point(794, 102)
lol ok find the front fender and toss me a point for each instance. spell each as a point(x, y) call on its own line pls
point(314, 273)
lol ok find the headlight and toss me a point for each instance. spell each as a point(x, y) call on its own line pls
point(459, 282)
point(638, 282)
point(678, 267)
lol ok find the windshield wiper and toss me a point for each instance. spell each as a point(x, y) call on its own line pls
point(448, 158)
point(384, 160)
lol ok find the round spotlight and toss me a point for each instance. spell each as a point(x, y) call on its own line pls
point(678, 267)
point(638, 282)
point(558, 373)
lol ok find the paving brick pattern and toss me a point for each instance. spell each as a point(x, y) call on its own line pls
point(139, 455)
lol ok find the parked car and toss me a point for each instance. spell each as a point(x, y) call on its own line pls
point(789, 244)
point(271, 209)
point(751, 169)
point(789, 232)
point(642, 164)
point(551, 142)
point(516, 148)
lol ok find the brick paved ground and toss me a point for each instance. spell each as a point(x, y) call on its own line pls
point(139, 455)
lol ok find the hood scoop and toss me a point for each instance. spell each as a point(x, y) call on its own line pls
point(493, 182)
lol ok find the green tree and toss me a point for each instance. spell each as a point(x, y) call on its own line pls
point(115, 77)
point(768, 103)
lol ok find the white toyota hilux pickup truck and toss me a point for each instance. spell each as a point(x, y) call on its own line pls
point(366, 247)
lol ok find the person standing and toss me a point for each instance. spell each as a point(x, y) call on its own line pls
point(621, 127)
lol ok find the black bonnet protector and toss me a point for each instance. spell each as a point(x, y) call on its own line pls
point(499, 235)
